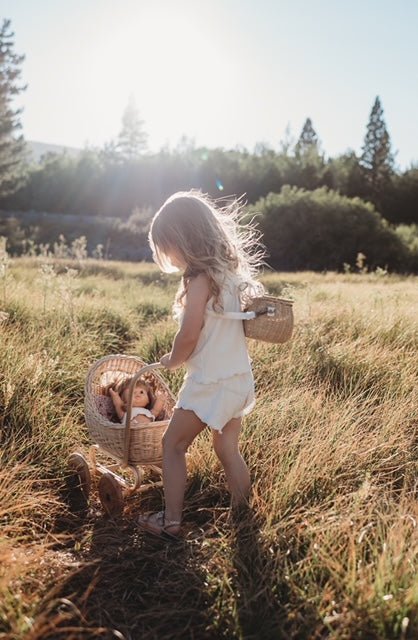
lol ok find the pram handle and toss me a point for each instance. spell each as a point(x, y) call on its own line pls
point(138, 374)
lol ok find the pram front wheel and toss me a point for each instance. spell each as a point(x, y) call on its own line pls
point(110, 494)
point(78, 465)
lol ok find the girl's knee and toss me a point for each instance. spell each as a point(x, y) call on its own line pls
point(173, 444)
point(184, 426)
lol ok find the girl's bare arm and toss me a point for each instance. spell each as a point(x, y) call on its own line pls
point(198, 293)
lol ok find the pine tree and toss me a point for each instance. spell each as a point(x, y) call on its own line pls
point(308, 140)
point(309, 160)
point(12, 147)
point(377, 159)
point(132, 140)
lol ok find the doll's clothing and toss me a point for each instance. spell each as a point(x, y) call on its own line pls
point(138, 411)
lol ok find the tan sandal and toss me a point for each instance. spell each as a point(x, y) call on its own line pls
point(156, 524)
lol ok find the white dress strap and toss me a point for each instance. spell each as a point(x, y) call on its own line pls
point(232, 315)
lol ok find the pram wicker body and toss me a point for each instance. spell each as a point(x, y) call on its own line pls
point(131, 446)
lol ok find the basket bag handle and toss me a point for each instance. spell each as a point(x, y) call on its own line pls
point(235, 315)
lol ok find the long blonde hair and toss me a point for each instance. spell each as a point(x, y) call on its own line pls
point(210, 239)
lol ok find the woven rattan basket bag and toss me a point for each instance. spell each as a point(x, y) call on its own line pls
point(130, 444)
point(272, 319)
point(266, 318)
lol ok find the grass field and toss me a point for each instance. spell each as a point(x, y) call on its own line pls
point(330, 546)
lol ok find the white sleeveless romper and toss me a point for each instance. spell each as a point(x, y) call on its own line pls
point(219, 383)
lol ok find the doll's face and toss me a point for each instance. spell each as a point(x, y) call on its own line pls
point(140, 396)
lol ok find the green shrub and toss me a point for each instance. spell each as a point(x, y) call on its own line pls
point(322, 230)
point(408, 234)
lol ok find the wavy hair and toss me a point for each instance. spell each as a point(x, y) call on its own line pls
point(210, 240)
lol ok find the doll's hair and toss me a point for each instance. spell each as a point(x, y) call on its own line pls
point(210, 239)
point(120, 386)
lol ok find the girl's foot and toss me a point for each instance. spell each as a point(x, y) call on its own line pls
point(158, 525)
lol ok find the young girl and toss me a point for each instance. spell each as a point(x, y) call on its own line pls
point(218, 262)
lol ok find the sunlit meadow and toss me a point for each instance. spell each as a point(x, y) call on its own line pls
point(329, 548)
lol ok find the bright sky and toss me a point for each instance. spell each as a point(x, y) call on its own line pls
point(224, 72)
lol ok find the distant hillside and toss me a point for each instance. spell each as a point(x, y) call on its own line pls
point(39, 149)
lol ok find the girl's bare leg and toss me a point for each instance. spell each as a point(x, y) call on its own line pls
point(183, 428)
point(236, 471)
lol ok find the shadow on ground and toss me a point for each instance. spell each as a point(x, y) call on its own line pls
point(219, 581)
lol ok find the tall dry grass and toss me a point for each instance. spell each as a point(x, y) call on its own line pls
point(329, 546)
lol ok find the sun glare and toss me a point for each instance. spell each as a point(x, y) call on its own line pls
point(181, 62)
point(167, 62)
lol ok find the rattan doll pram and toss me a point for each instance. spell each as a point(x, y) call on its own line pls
point(133, 448)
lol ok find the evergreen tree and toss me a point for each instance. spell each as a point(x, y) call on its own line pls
point(376, 159)
point(11, 146)
point(132, 140)
point(308, 140)
point(309, 160)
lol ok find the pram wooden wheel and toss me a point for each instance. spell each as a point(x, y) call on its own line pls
point(78, 464)
point(110, 494)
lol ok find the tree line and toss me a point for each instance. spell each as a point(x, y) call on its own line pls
point(116, 180)
point(123, 181)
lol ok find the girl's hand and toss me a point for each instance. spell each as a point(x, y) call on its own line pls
point(165, 361)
